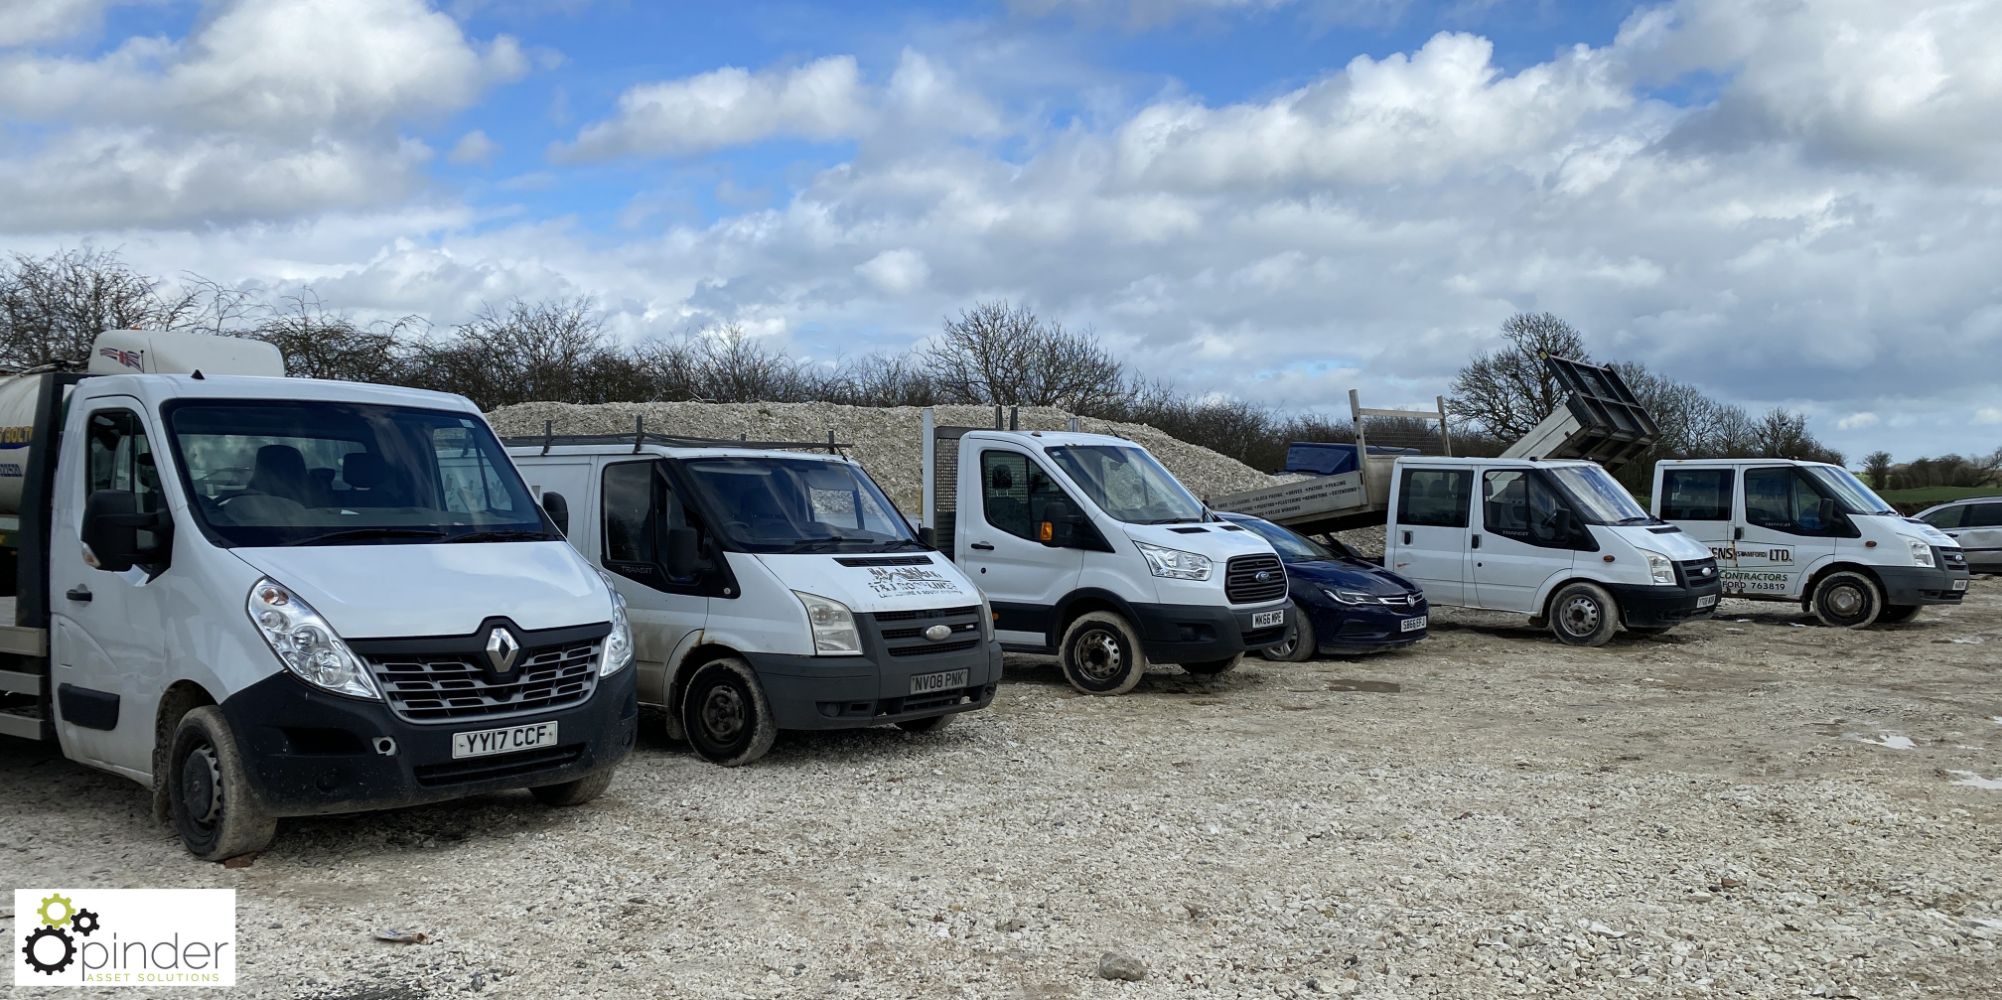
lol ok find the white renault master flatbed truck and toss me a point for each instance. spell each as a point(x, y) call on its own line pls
point(1811, 533)
point(265, 597)
point(771, 588)
point(1089, 549)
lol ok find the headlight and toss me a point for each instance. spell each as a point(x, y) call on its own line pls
point(1659, 568)
point(1921, 553)
point(1348, 596)
point(618, 650)
point(833, 626)
point(986, 619)
point(305, 643)
point(1175, 564)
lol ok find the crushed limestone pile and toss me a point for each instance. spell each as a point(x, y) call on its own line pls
point(886, 440)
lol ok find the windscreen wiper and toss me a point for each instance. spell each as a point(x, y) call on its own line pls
point(358, 534)
point(503, 536)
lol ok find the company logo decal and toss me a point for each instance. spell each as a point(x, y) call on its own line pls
point(909, 581)
point(124, 937)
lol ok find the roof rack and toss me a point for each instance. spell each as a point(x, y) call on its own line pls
point(640, 437)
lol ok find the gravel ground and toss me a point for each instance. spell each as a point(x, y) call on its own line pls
point(1721, 811)
point(888, 441)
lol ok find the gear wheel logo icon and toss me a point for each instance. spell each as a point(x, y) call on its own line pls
point(36, 962)
point(65, 910)
point(84, 923)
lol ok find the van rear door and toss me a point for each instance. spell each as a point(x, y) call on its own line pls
point(1429, 531)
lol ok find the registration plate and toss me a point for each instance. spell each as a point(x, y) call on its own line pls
point(946, 680)
point(487, 742)
point(1267, 619)
point(1707, 601)
point(1960, 584)
point(1411, 624)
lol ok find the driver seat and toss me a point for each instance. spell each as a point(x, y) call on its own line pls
point(280, 471)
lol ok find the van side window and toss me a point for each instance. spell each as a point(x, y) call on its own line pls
point(1984, 515)
point(1951, 517)
point(1014, 492)
point(1696, 494)
point(1521, 506)
point(638, 507)
point(1783, 500)
point(1436, 498)
point(120, 458)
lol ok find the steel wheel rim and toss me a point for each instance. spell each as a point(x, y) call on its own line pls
point(1581, 615)
point(201, 786)
point(1845, 600)
point(722, 713)
point(1098, 655)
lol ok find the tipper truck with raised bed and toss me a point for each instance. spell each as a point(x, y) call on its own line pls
point(264, 597)
point(1543, 530)
point(772, 586)
point(1089, 549)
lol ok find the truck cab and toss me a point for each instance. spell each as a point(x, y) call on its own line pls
point(770, 589)
point(266, 597)
point(1089, 549)
point(1560, 541)
point(1812, 533)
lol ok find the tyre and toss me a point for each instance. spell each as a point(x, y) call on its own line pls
point(1848, 599)
point(1101, 654)
point(725, 714)
point(1298, 646)
point(1213, 668)
point(1894, 614)
point(208, 790)
point(931, 725)
point(1584, 614)
point(575, 793)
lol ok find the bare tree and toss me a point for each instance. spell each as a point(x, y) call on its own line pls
point(320, 343)
point(996, 352)
point(1877, 465)
point(517, 352)
point(52, 308)
point(1505, 393)
point(1782, 433)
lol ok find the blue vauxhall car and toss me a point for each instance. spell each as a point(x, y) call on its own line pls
point(1345, 603)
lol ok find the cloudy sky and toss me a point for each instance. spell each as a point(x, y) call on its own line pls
point(1785, 201)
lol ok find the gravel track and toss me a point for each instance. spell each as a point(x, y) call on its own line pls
point(1488, 814)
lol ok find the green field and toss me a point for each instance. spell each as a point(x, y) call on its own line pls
point(1938, 494)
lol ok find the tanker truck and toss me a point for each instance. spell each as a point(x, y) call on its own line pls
point(263, 597)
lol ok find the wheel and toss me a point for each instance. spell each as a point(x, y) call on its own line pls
point(208, 790)
point(1894, 614)
point(1101, 655)
point(575, 793)
point(1848, 599)
point(725, 714)
point(1211, 668)
point(1299, 644)
point(1583, 614)
point(931, 725)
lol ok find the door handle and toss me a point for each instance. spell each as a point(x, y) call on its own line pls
point(1738, 533)
point(1477, 541)
point(982, 546)
point(81, 595)
point(1407, 538)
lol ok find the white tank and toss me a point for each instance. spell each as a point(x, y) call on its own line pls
point(121, 352)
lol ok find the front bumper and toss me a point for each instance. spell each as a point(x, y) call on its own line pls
point(848, 692)
point(1199, 633)
point(1365, 628)
point(1922, 584)
point(310, 752)
point(1649, 606)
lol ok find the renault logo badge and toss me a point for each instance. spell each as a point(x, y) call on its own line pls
point(938, 633)
point(502, 650)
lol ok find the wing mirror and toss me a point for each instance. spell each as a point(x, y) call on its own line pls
point(112, 522)
point(558, 510)
point(682, 555)
point(1060, 524)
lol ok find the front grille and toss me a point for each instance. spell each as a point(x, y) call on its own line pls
point(1952, 558)
point(902, 633)
point(1696, 572)
point(1241, 584)
point(453, 687)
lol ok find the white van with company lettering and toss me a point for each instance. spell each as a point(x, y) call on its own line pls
point(769, 587)
point(1812, 533)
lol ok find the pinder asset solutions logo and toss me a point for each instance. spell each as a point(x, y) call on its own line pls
point(124, 937)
